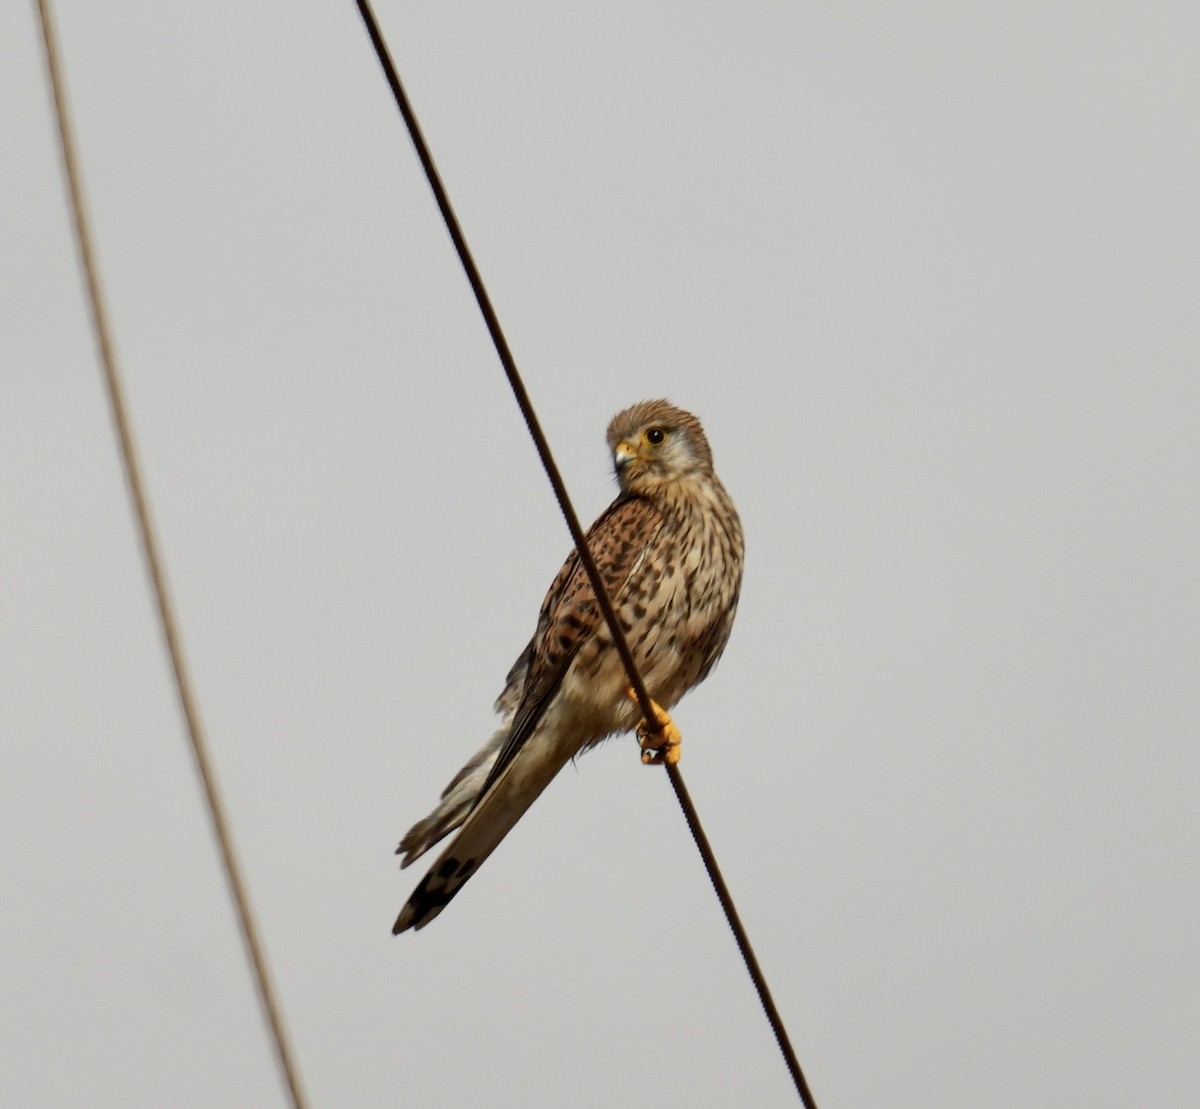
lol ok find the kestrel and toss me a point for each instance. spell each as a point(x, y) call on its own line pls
point(669, 550)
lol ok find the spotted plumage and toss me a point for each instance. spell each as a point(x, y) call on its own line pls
point(669, 550)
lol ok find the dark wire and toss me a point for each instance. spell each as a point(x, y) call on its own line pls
point(577, 535)
point(154, 564)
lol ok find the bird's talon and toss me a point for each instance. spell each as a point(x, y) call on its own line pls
point(659, 741)
point(669, 756)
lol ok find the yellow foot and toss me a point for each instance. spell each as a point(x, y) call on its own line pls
point(660, 741)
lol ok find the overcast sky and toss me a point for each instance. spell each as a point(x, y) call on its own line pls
point(928, 273)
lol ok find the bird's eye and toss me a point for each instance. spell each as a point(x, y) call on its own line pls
point(655, 436)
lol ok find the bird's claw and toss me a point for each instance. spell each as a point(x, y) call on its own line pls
point(659, 741)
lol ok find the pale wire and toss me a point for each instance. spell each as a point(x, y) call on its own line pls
point(577, 535)
point(187, 701)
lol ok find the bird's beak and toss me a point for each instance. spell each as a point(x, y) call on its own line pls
point(623, 454)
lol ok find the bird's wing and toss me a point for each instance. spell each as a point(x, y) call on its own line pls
point(571, 614)
point(514, 684)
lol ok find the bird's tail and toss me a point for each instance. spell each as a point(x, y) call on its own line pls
point(457, 800)
point(486, 825)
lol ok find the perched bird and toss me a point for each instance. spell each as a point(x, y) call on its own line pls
point(669, 550)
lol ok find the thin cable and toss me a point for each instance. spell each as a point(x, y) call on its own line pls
point(187, 701)
point(577, 535)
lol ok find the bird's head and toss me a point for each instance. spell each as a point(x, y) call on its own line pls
point(654, 443)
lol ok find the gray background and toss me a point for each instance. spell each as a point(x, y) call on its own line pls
point(929, 275)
